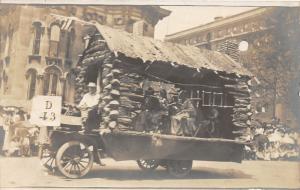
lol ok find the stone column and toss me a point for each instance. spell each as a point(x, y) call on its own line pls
point(39, 89)
point(62, 81)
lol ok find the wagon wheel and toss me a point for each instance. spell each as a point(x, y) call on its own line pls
point(148, 165)
point(47, 158)
point(74, 159)
point(179, 168)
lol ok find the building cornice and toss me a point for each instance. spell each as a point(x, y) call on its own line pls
point(218, 23)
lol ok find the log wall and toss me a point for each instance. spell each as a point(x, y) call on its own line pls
point(242, 112)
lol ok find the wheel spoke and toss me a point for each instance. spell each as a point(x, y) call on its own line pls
point(81, 165)
point(70, 171)
point(85, 160)
point(77, 166)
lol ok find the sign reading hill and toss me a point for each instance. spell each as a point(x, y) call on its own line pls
point(46, 110)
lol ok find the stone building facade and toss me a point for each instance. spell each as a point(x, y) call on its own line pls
point(39, 50)
point(248, 37)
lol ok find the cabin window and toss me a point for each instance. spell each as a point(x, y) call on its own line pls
point(31, 78)
point(217, 99)
point(37, 38)
point(206, 98)
point(54, 41)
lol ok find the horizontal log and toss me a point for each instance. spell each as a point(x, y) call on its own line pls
point(95, 54)
point(242, 125)
point(228, 79)
point(240, 132)
point(242, 106)
point(113, 104)
point(107, 98)
point(129, 107)
point(126, 99)
point(116, 72)
point(114, 114)
point(124, 120)
point(130, 86)
point(115, 93)
point(107, 65)
point(115, 83)
point(112, 124)
point(240, 115)
point(238, 94)
point(98, 42)
point(124, 89)
point(133, 96)
point(99, 47)
point(239, 85)
point(240, 101)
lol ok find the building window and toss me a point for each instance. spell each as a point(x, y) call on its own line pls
point(37, 38)
point(31, 78)
point(51, 81)
point(54, 40)
point(69, 88)
point(70, 39)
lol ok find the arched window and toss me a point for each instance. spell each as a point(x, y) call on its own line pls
point(54, 40)
point(37, 38)
point(51, 81)
point(31, 80)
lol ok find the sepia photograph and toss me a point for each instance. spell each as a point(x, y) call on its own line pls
point(149, 95)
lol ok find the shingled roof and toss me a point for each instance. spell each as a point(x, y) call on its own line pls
point(149, 49)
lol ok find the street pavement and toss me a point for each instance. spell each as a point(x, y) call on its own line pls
point(16, 172)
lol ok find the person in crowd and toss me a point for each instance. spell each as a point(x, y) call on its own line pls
point(163, 99)
point(9, 132)
point(184, 122)
point(89, 108)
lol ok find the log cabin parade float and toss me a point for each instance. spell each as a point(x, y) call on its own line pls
point(160, 103)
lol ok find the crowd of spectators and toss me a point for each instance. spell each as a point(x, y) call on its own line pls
point(273, 141)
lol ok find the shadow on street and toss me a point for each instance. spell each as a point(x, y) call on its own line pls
point(202, 173)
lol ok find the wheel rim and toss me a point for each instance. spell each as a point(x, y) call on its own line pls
point(47, 158)
point(74, 159)
point(148, 164)
point(179, 168)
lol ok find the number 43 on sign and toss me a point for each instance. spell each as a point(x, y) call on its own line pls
point(46, 110)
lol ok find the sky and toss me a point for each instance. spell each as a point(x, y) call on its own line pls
point(185, 17)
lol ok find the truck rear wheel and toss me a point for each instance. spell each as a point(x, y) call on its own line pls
point(179, 168)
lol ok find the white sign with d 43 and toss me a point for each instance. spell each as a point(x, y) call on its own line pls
point(46, 111)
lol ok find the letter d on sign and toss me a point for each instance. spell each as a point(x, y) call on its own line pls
point(48, 105)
